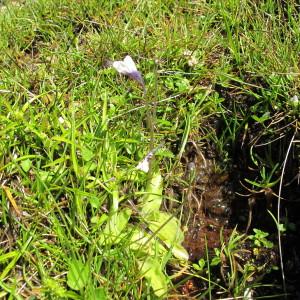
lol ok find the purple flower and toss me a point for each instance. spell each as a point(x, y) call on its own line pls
point(128, 67)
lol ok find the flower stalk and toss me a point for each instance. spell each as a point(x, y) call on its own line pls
point(127, 67)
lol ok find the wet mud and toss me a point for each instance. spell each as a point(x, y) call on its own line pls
point(208, 203)
point(218, 202)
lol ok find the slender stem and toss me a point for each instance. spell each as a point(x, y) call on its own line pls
point(151, 119)
point(150, 128)
point(278, 215)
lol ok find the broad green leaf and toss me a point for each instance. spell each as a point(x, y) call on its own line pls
point(200, 266)
point(167, 228)
point(179, 251)
point(151, 201)
point(164, 152)
point(183, 85)
point(58, 290)
point(26, 164)
point(215, 261)
point(152, 271)
point(165, 123)
point(45, 175)
point(78, 275)
point(143, 243)
point(95, 201)
point(116, 224)
point(87, 154)
point(99, 220)
point(96, 294)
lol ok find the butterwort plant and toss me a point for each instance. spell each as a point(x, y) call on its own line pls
point(161, 224)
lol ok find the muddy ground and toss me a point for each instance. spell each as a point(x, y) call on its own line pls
point(219, 199)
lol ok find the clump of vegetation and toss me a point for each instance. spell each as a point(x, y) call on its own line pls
point(78, 219)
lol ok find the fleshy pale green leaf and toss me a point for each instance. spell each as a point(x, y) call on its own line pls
point(152, 200)
point(143, 243)
point(78, 275)
point(179, 252)
point(115, 226)
point(152, 271)
point(167, 228)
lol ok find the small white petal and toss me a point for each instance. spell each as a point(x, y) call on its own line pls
point(130, 64)
point(143, 166)
point(126, 67)
point(61, 120)
point(121, 67)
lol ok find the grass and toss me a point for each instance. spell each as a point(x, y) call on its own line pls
point(72, 131)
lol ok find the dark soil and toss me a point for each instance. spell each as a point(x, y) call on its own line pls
point(217, 202)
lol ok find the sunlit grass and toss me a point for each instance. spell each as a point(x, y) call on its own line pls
point(72, 131)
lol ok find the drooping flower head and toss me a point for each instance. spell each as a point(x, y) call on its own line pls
point(144, 165)
point(128, 67)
